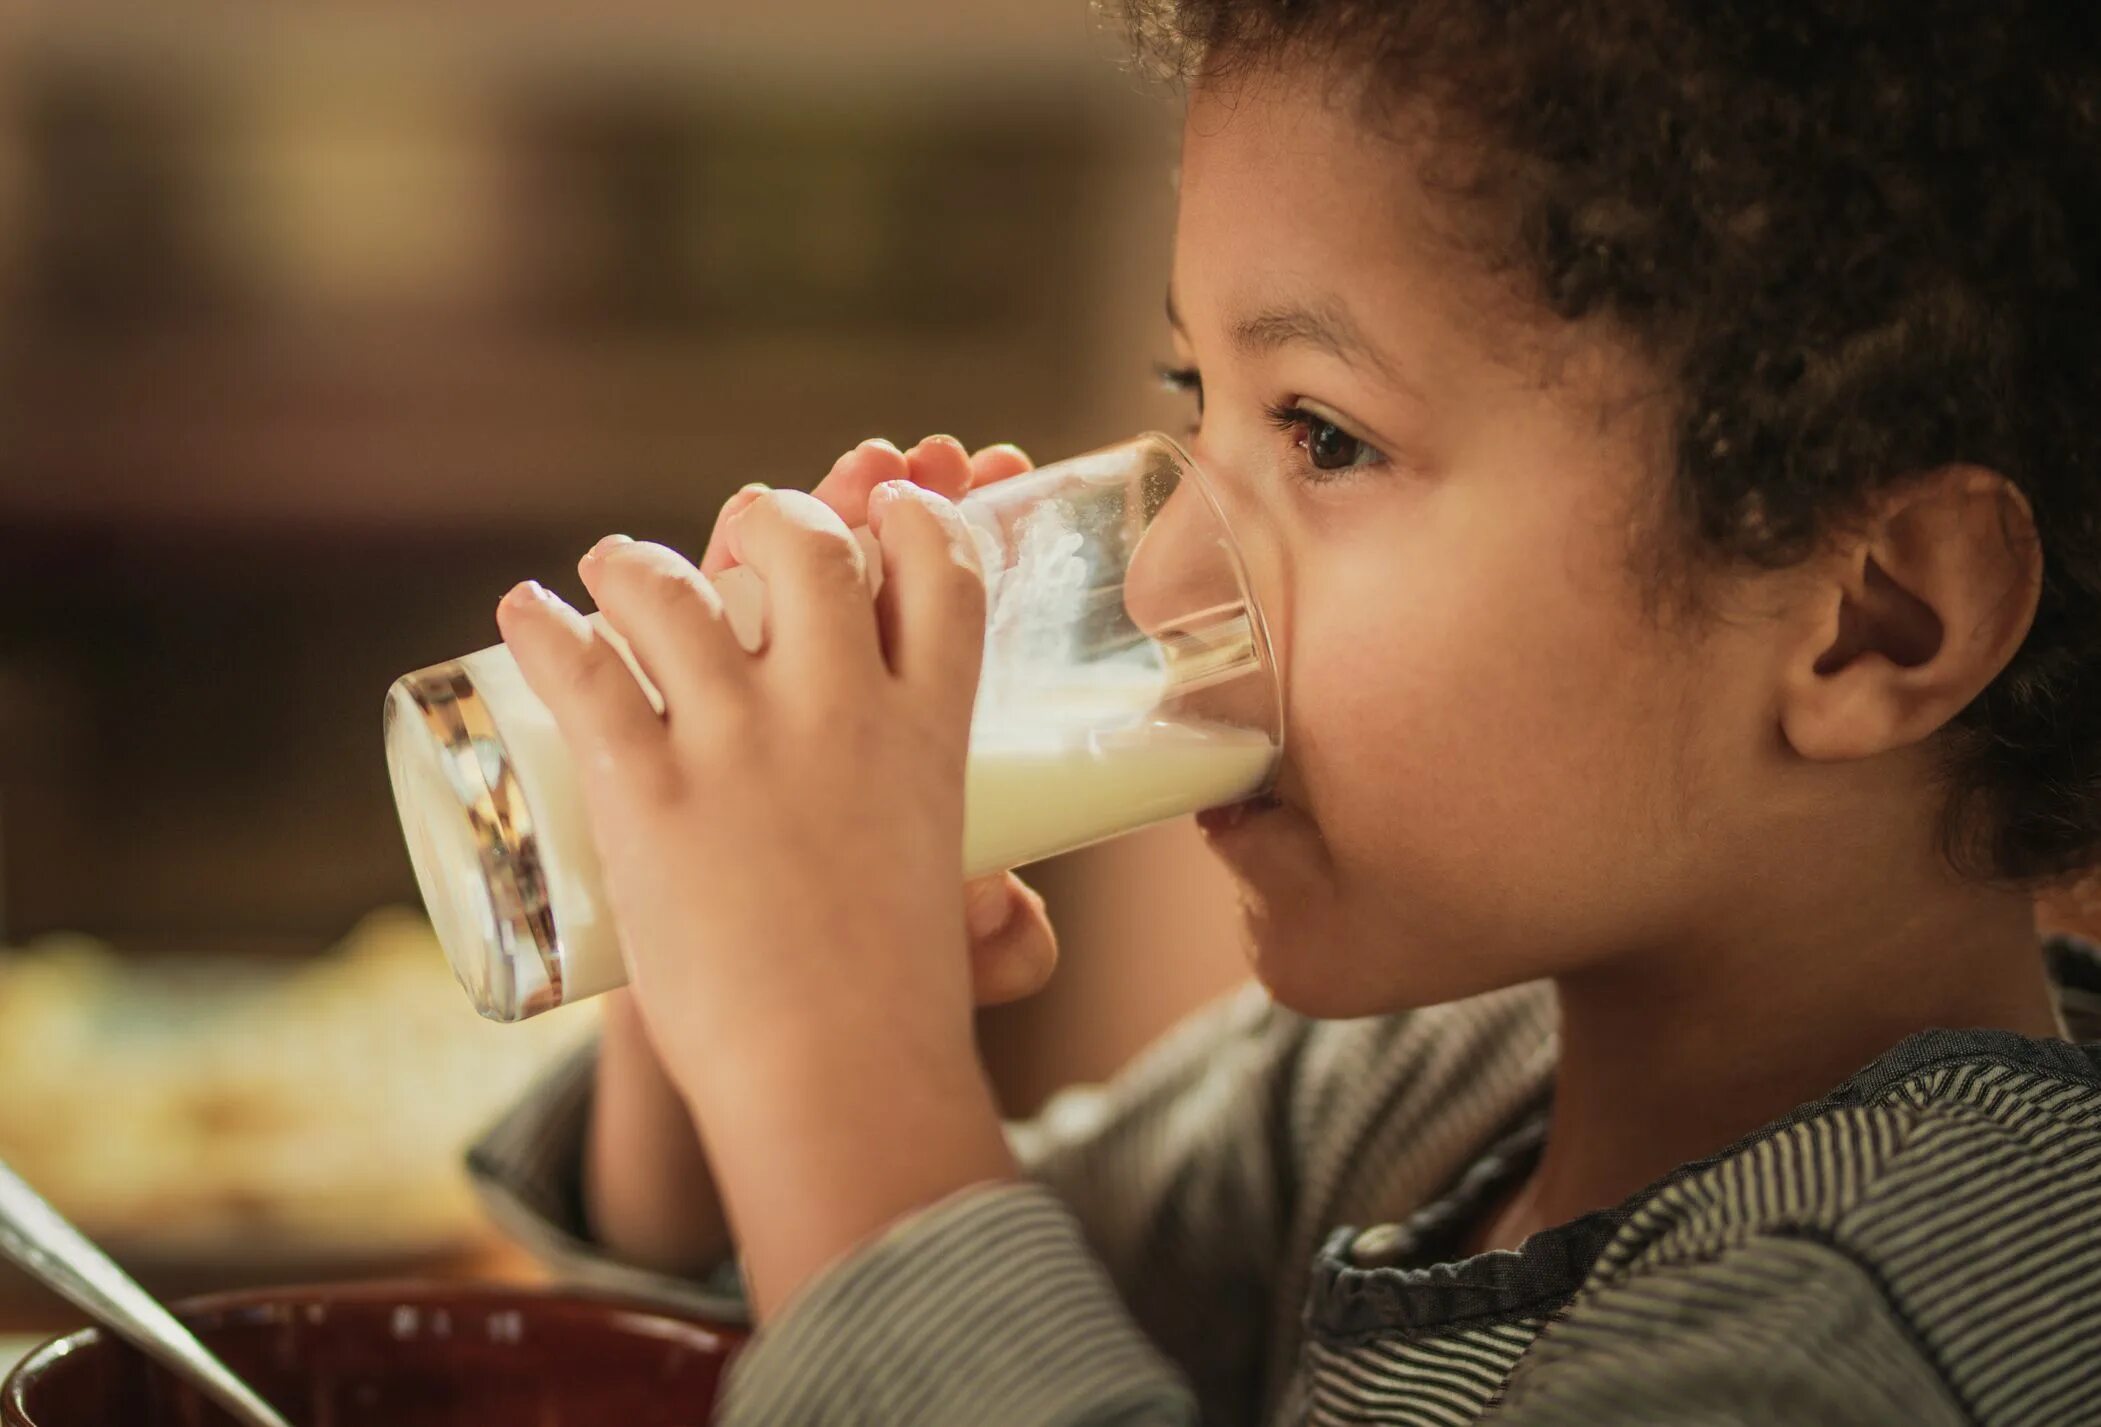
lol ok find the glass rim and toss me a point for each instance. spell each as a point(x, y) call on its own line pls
point(1257, 617)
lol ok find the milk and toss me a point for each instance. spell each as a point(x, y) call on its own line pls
point(1024, 802)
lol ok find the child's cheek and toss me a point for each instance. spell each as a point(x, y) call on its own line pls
point(1479, 737)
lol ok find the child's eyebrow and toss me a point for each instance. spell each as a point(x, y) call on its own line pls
point(1326, 325)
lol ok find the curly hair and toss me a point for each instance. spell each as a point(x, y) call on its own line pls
point(1862, 241)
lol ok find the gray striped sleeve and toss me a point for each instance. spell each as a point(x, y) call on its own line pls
point(1177, 1174)
point(1182, 1177)
point(528, 1172)
point(1774, 1329)
point(987, 1308)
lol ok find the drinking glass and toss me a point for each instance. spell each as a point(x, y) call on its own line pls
point(1127, 679)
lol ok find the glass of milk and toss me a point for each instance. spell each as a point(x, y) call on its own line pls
point(1127, 679)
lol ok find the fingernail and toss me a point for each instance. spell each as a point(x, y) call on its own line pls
point(988, 909)
point(524, 593)
point(885, 442)
point(887, 494)
point(733, 509)
point(944, 436)
point(611, 542)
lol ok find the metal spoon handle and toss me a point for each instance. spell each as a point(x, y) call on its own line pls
point(55, 1253)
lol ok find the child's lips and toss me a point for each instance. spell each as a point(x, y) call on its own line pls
point(1225, 819)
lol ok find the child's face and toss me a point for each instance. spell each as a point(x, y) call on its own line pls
point(1499, 763)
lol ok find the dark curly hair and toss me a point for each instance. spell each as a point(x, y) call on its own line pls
point(1863, 241)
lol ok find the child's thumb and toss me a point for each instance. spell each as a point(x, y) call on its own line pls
point(1013, 949)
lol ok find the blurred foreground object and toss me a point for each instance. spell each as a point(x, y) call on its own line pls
point(251, 1118)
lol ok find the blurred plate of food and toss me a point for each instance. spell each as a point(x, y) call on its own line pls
point(208, 1117)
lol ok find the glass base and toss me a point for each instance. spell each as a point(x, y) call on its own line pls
point(471, 838)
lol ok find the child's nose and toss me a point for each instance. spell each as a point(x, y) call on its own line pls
point(1175, 574)
point(1183, 590)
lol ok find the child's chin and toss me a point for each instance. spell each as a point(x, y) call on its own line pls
point(1311, 997)
point(1337, 976)
point(1304, 973)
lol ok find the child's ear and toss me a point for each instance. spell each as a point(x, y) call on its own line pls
point(1911, 615)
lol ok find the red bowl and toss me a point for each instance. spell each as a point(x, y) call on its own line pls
point(396, 1355)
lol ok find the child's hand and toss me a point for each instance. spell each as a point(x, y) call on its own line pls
point(1013, 948)
point(781, 849)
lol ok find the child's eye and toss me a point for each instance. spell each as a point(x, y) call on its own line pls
point(1330, 450)
point(1183, 379)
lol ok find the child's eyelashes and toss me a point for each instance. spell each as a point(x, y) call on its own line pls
point(1185, 380)
point(1327, 451)
point(1330, 452)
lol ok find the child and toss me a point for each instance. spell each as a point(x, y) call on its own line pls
point(1662, 437)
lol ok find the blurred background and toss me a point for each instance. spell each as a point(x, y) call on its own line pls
point(320, 326)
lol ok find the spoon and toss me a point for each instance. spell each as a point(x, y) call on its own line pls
point(59, 1256)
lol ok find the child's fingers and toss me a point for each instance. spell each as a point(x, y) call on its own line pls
point(716, 558)
point(941, 465)
point(600, 710)
point(932, 604)
point(670, 616)
point(846, 486)
point(998, 463)
point(819, 614)
point(1013, 947)
point(932, 463)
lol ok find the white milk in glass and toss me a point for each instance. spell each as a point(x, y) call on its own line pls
point(1022, 802)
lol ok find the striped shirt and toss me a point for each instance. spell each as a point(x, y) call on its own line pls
point(1257, 1224)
